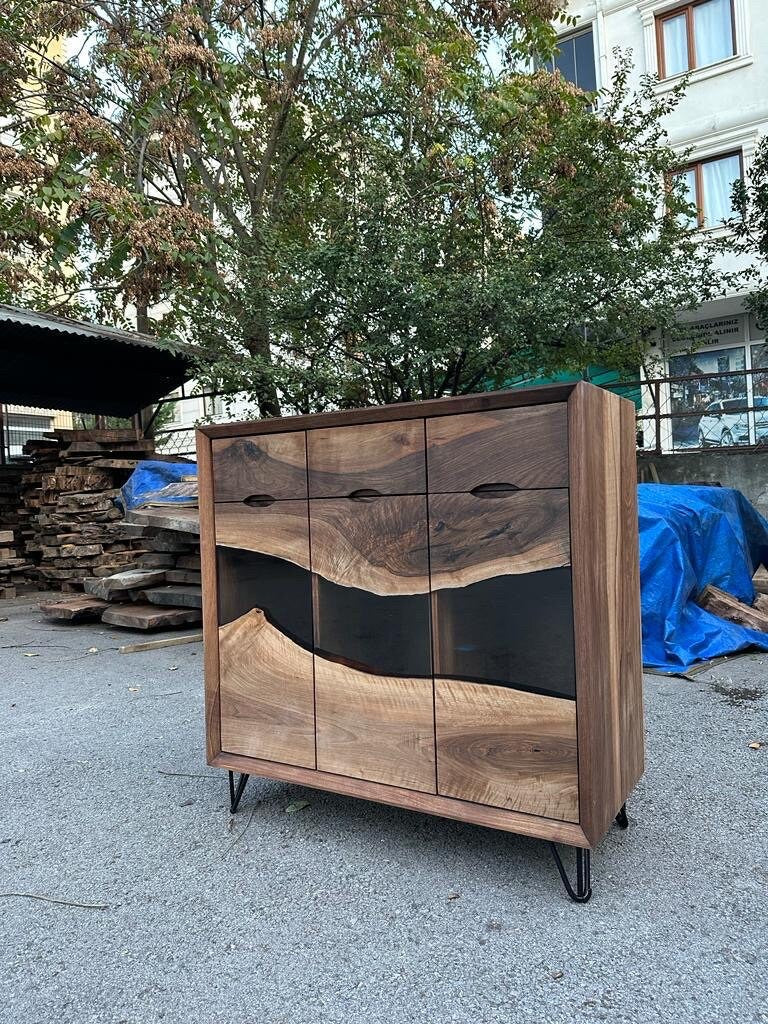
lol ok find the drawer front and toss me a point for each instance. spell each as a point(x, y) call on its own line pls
point(501, 590)
point(384, 457)
point(507, 749)
point(261, 466)
point(265, 632)
point(515, 448)
point(373, 665)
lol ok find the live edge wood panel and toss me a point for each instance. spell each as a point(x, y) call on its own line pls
point(432, 605)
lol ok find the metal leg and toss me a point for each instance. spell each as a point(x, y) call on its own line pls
point(621, 818)
point(236, 793)
point(583, 891)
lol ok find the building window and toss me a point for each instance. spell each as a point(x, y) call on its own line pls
point(708, 185)
point(695, 35)
point(576, 60)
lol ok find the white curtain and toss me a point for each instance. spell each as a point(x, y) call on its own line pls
point(718, 177)
point(675, 46)
point(712, 31)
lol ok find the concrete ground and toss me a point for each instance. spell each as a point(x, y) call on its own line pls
point(345, 911)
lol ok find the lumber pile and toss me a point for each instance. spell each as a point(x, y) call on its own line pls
point(15, 566)
point(160, 590)
point(70, 522)
point(724, 605)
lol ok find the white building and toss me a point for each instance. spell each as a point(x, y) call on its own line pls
point(724, 45)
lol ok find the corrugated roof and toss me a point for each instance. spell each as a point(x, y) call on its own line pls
point(53, 362)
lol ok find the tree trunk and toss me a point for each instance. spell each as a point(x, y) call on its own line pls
point(257, 344)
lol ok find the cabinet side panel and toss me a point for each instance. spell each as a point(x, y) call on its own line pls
point(602, 553)
point(631, 668)
point(210, 611)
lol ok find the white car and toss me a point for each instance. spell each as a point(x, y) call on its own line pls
point(726, 422)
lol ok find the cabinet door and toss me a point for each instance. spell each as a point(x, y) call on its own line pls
point(373, 671)
point(384, 458)
point(261, 466)
point(265, 632)
point(503, 650)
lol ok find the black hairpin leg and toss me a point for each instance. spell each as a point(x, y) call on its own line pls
point(621, 818)
point(583, 890)
point(236, 793)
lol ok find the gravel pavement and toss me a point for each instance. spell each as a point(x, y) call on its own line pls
point(346, 911)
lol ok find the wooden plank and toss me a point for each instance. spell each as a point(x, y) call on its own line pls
point(175, 596)
point(149, 616)
point(168, 518)
point(74, 609)
point(375, 727)
point(726, 606)
point(427, 803)
point(630, 628)
point(267, 700)
point(279, 530)
point(379, 546)
point(475, 538)
point(107, 587)
point(383, 457)
point(506, 748)
point(210, 610)
point(273, 465)
point(519, 447)
point(607, 671)
point(539, 395)
point(183, 576)
point(6, 536)
point(152, 645)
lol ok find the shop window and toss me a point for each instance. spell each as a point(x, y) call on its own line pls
point(714, 406)
point(708, 185)
point(694, 35)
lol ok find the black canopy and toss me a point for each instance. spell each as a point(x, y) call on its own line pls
point(50, 362)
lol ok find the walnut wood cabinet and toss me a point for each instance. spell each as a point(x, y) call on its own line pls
point(432, 605)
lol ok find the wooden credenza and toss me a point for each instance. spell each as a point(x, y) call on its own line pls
point(432, 605)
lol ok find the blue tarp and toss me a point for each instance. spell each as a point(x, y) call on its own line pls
point(149, 478)
point(689, 537)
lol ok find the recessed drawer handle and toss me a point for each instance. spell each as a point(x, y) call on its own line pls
point(364, 494)
point(493, 490)
point(259, 500)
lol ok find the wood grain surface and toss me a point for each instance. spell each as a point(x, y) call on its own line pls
point(604, 555)
point(426, 803)
point(280, 529)
point(512, 398)
point(375, 727)
point(210, 602)
point(508, 749)
point(525, 447)
point(267, 693)
point(385, 457)
point(265, 464)
point(475, 538)
point(379, 545)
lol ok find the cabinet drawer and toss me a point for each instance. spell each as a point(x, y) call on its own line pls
point(507, 749)
point(502, 610)
point(264, 465)
point(265, 632)
point(518, 448)
point(384, 457)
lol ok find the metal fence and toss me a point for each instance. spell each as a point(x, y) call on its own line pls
point(19, 424)
point(727, 410)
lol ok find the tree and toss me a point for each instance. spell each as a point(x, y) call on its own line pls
point(751, 228)
point(348, 203)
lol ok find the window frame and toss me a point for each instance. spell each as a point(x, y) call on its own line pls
point(696, 166)
point(687, 9)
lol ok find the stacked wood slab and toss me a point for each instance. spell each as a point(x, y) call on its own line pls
point(161, 590)
point(15, 566)
point(70, 521)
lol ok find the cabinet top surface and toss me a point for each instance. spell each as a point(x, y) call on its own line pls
point(538, 395)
